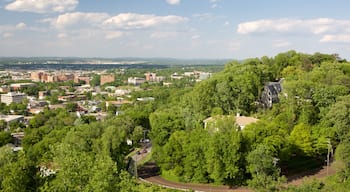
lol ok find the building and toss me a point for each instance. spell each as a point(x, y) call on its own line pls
point(48, 77)
point(11, 118)
point(4, 89)
point(36, 76)
point(153, 77)
point(64, 77)
point(108, 78)
point(78, 79)
point(12, 97)
point(176, 76)
point(42, 94)
point(270, 93)
point(18, 86)
point(150, 76)
point(241, 121)
point(136, 80)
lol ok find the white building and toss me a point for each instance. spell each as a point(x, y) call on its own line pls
point(12, 97)
point(136, 80)
point(11, 118)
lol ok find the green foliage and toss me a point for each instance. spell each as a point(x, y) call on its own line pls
point(264, 170)
point(338, 117)
point(71, 106)
point(225, 155)
point(301, 137)
point(5, 138)
point(95, 81)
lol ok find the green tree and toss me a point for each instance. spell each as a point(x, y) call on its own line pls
point(225, 155)
point(301, 137)
point(338, 117)
point(71, 106)
point(262, 165)
point(5, 138)
point(95, 81)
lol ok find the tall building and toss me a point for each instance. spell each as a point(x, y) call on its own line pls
point(78, 78)
point(12, 97)
point(107, 79)
point(153, 77)
point(36, 76)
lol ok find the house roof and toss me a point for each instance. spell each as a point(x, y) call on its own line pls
point(241, 121)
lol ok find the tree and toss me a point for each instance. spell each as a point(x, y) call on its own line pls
point(71, 106)
point(301, 137)
point(17, 175)
point(224, 155)
point(3, 125)
point(95, 81)
point(5, 138)
point(103, 175)
point(138, 134)
point(264, 170)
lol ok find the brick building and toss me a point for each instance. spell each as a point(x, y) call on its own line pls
point(108, 78)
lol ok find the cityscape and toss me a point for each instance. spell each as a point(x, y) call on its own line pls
point(174, 95)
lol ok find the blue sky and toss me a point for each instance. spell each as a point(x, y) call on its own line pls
point(234, 29)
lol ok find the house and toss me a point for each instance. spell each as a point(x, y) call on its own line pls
point(270, 93)
point(241, 121)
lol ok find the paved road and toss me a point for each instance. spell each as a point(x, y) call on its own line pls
point(149, 172)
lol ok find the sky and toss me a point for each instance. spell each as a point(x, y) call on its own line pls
point(184, 29)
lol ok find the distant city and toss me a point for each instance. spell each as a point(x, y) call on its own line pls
point(55, 63)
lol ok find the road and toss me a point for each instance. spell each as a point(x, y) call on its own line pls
point(149, 173)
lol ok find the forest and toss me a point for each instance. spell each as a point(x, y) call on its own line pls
point(62, 152)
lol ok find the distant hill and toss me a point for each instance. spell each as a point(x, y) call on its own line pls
point(115, 61)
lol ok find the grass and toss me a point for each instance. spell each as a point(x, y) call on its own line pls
point(170, 176)
point(133, 152)
point(145, 160)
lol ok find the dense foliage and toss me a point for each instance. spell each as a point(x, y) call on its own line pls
point(64, 153)
point(313, 113)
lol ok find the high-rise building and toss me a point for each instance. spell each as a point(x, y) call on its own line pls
point(108, 78)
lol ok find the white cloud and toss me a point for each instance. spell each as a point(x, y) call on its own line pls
point(139, 21)
point(214, 3)
point(281, 43)
point(42, 6)
point(7, 35)
point(164, 34)
point(21, 26)
point(77, 19)
point(173, 2)
point(195, 36)
point(62, 35)
point(313, 26)
point(113, 34)
point(341, 38)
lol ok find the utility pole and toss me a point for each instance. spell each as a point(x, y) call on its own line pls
point(135, 163)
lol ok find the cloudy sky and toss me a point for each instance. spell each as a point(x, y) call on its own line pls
point(235, 29)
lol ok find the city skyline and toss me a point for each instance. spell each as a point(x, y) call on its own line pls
point(211, 29)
